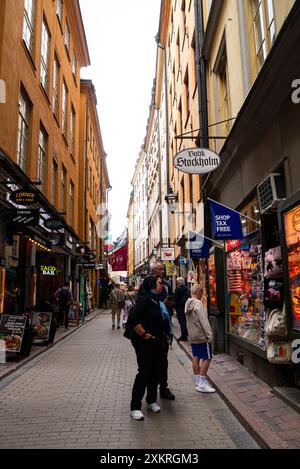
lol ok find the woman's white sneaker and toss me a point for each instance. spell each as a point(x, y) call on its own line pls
point(137, 415)
point(205, 387)
point(154, 407)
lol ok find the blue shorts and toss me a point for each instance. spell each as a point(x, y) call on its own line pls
point(202, 351)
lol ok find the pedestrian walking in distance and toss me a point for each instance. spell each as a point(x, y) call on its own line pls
point(181, 295)
point(65, 299)
point(200, 335)
point(117, 304)
point(157, 270)
point(150, 334)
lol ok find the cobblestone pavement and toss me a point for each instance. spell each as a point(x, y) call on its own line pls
point(275, 423)
point(77, 394)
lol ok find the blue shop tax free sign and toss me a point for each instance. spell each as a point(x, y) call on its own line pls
point(226, 223)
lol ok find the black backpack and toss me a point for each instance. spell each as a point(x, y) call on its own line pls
point(129, 324)
point(64, 296)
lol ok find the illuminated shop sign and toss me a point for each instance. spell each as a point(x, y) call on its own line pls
point(24, 196)
point(48, 270)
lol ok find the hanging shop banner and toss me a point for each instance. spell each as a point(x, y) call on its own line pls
point(170, 269)
point(56, 239)
point(198, 246)
point(24, 217)
point(41, 325)
point(53, 223)
point(226, 223)
point(24, 196)
point(196, 161)
point(11, 332)
point(118, 259)
point(167, 254)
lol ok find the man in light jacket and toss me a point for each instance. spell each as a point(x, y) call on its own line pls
point(200, 335)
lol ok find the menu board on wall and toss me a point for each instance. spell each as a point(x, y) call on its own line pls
point(292, 236)
point(41, 323)
point(11, 332)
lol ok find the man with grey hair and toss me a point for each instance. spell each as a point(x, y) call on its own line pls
point(201, 337)
point(181, 296)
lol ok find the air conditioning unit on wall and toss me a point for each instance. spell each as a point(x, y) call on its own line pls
point(271, 192)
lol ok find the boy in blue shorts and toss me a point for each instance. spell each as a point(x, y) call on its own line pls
point(200, 335)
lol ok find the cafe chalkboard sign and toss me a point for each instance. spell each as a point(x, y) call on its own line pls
point(12, 327)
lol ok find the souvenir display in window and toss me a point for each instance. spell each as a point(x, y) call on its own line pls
point(246, 292)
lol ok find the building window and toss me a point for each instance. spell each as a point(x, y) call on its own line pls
point(28, 24)
point(45, 52)
point(55, 98)
point(264, 28)
point(67, 37)
point(63, 187)
point(64, 116)
point(59, 10)
point(71, 200)
point(74, 65)
point(43, 137)
point(54, 182)
point(186, 97)
point(259, 32)
point(271, 21)
point(72, 131)
point(23, 130)
point(221, 69)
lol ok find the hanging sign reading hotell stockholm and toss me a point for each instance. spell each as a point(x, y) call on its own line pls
point(196, 160)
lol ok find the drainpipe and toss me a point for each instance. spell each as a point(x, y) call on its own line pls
point(86, 164)
point(201, 74)
point(167, 130)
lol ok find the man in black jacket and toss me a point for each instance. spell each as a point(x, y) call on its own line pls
point(181, 296)
point(157, 270)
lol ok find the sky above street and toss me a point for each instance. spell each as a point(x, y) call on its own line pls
point(120, 36)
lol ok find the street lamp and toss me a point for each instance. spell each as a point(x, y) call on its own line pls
point(171, 199)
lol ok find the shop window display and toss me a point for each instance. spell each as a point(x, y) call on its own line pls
point(292, 235)
point(212, 280)
point(246, 290)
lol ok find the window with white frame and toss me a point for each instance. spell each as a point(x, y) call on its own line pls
point(54, 182)
point(28, 24)
point(45, 54)
point(264, 28)
point(74, 65)
point(63, 187)
point(72, 131)
point(64, 110)
point(59, 10)
point(67, 37)
point(43, 137)
point(71, 202)
point(23, 130)
point(55, 97)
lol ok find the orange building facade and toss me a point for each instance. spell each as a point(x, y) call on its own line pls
point(42, 49)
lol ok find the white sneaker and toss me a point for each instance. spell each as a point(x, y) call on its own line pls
point(154, 407)
point(137, 415)
point(205, 387)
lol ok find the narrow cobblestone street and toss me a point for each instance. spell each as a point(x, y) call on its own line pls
point(77, 394)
